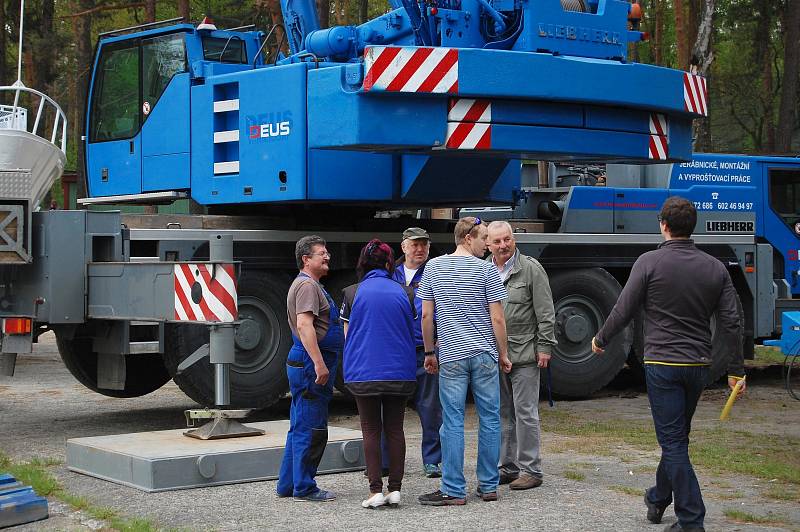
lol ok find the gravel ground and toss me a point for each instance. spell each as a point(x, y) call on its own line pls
point(43, 405)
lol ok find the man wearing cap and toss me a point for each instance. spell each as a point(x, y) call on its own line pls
point(416, 246)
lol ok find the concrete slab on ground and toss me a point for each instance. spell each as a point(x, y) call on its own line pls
point(168, 460)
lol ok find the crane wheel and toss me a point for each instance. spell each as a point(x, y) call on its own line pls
point(263, 339)
point(583, 300)
point(144, 373)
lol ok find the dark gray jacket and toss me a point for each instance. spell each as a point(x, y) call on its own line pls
point(679, 287)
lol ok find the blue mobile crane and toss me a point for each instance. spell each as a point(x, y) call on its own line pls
point(588, 238)
point(434, 103)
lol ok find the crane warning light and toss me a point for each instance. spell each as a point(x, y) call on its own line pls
point(206, 24)
point(635, 13)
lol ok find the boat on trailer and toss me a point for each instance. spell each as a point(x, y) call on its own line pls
point(32, 157)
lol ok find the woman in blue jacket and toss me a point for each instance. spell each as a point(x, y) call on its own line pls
point(380, 364)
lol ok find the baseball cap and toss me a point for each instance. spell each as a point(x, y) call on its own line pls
point(415, 233)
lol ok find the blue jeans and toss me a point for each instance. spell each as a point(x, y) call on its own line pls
point(479, 373)
point(673, 392)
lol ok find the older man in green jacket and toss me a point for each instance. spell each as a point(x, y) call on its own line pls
point(530, 323)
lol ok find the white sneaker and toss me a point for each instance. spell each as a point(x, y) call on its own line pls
point(374, 501)
point(393, 499)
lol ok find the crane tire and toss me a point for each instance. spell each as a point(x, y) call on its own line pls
point(144, 373)
point(583, 300)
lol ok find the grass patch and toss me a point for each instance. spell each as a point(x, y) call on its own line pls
point(782, 492)
point(717, 447)
point(627, 490)
point(607, 430)
point(758, 455)
point(35, 474)
point(746, 517)
point(582, 465)
point(729, 496)
point(766, 356)
point(574, 475)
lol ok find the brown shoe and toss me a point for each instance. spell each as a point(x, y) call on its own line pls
point(525, 482)
point(507, 478)
point(486, 497)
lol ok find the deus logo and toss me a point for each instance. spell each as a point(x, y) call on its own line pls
point(270, 125)
point(719, 226)
point(277, 129)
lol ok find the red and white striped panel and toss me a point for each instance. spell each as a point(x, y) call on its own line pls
point(199, 297)
point(658, 148)
point(411, 69)
point(469, 110)
point(469, 124)
point(468, 136)
point(695, 94)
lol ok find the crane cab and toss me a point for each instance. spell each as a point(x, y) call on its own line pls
point(138, 138)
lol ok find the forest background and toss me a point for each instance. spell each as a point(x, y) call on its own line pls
point(748, 49)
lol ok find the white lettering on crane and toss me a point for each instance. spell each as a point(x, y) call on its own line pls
point(263, 131)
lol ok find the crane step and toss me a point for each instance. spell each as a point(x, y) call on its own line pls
point(19, 504)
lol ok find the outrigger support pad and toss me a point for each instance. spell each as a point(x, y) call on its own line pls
point(222, 424)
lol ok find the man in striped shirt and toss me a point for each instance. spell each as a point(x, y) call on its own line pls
point(465, 293)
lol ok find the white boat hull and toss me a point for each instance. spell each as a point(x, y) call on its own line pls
point(29, 165)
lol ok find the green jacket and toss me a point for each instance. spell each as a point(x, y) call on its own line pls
point(530, 317)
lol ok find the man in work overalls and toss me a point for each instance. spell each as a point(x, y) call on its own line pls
point(311, 368)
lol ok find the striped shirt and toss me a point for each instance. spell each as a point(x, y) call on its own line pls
point(461, 288)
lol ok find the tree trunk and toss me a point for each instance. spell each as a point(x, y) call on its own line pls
point(363, 6)
point(150, 11)
point(694, 15)
point(4, 76)
point(703, 54)
point(703, 51)
point(324, 13)
point(341, 12)
point(658, 41)
point(787, 115)
point(769, 103)
point(681, 37)
point(183, 10)
point(82, 34)
point(46, 50)
point(272, 10)
point(763, 62)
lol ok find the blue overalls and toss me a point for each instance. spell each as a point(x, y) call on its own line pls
point(426, 397)
point(308, 415)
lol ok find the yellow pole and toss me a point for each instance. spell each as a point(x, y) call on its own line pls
point(729, 404)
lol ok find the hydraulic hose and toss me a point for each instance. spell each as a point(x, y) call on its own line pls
point(495, 15)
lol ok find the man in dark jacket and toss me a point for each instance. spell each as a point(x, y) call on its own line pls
point(416, 246)
point(680, 288)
